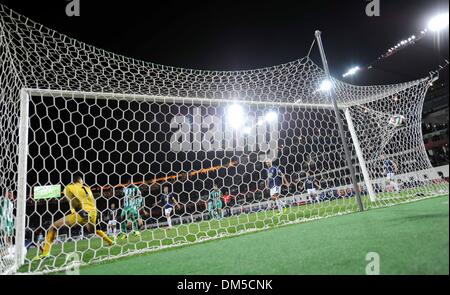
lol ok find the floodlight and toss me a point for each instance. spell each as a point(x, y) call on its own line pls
point(351, 72)
point(438, 23)
point(271, 116)
point(325, 85)
point(235, 116)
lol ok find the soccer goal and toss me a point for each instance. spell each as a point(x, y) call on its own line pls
point(176, 156)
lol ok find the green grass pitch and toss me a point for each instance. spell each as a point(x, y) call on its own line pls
point(410, 239)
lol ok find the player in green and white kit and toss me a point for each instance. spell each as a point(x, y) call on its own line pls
point(132, 202)
point(215, 203)
point(6, 222)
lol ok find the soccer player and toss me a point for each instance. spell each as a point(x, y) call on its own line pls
point(216, 198)
point(132, 201)
point(168, 201)
point(142, 213)
point(210, 207)
point(111, 216)
point(310, 185)
point(227, 202)
point(83, 212)
point(274, 182)
point(390, 168)
point(139, 203)
point(7, 221)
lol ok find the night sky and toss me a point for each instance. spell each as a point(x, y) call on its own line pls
point(235, 35)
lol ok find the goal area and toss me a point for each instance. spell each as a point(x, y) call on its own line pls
point(68, 108)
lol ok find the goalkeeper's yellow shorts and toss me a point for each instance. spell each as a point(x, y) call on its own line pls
point(75, 218)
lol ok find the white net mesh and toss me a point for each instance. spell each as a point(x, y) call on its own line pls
point(107, 117)
point(7, 251)
point(391, 141)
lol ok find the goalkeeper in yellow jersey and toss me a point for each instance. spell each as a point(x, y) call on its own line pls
point(83, 212)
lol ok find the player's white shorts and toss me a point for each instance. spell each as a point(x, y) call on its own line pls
point(390, 175)
point(275, 190)
point(112, 222)
point(311, 191)
point(168, 210)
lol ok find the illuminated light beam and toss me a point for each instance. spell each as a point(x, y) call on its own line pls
point(351, 72)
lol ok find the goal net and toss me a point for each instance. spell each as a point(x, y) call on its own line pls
point(175, 156)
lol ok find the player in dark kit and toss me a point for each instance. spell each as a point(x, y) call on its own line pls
point(311, 186)
point(275, 179)
point(168, 202)
point(390, 168)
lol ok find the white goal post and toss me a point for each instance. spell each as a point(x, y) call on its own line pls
point(359, 154)
point(267, 138)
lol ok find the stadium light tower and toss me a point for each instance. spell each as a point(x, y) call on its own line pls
point(438, 23)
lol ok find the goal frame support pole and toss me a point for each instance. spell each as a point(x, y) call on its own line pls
point(359, 154)
point(22, 178)
point(339, 122)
